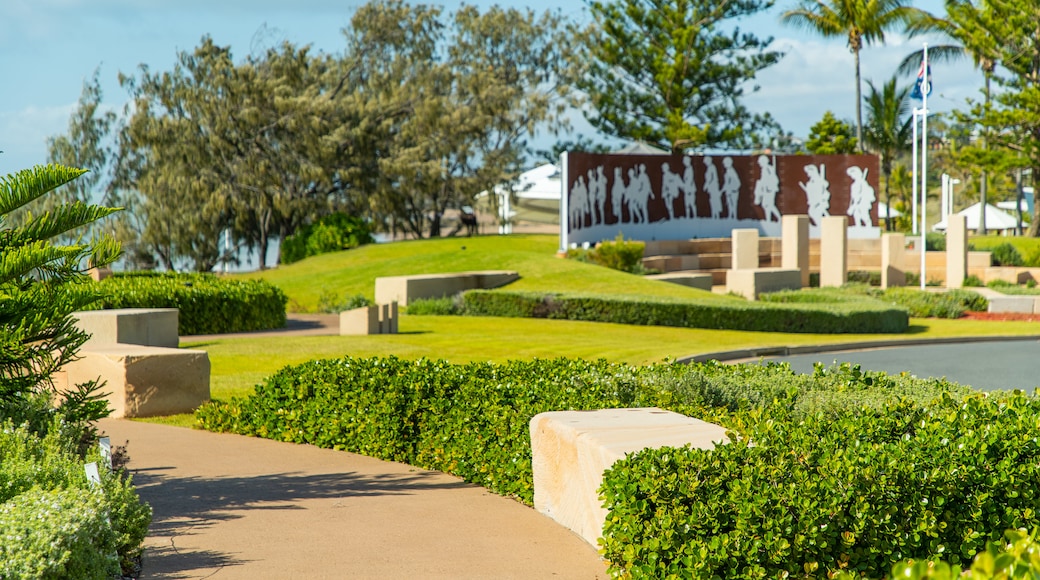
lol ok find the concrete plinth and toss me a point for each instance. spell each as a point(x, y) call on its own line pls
point(378, 319)
point(794, 245)
point(751, 283)
point(956, 250)
point(571, 449)
point(745, 249)
point(893, 251)
point(143, 381)
point(834, 251)
point(142, 326)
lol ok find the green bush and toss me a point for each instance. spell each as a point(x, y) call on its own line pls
point(620, 254)
point(935, 242)
point(861, 315)
point(949, 304)
point(208, 304)
point(60, 533)
point(472, 420)
point(973, 281)
point(855, 490)
point(446, 306)
point(332, 233)
point(1006, 255)
point(49, 463)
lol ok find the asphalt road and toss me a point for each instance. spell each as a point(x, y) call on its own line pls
point(986, 366)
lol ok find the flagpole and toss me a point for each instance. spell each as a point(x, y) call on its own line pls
point(913, 175)
point(925, 89)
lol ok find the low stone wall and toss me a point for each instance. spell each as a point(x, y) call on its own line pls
point(405, 289)
point(571, 450)
point(689, 279)
point(751, 283)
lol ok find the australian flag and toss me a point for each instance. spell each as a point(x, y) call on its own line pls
point(923, 85)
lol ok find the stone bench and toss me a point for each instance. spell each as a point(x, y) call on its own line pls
point(142, 381)
point(571, 450)
point(752, 282)
point(691, 280)
point(143, 326)
point(406, 289)
point(378, 319)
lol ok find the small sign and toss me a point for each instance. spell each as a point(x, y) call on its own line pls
point(106, 451)
point(93, 477)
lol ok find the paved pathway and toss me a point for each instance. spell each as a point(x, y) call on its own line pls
point(229, 507)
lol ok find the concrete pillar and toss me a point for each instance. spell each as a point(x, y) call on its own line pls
point(893, 258)
point(745, 249)
point(794, 245)
point(956, 250)
point(834, 251)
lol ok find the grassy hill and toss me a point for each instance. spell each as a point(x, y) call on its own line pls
point(353, 272)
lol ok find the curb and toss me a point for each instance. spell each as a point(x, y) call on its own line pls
point(756, 353)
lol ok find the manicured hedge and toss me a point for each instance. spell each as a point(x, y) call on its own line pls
point(860, 316)
point(208, 304)
point(858, 491)
point(920, 304)
point(53, 524)
point(472, 420)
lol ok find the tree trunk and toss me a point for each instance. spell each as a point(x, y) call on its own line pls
point(859, 104)
point(984, 176)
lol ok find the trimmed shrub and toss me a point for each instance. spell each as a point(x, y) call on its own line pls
point(620, 254)
point(472, 420)
point(445, 306)
point(861, 315)
point(949, 304)
point(857, 491)
point(1006, 255)
point(208, 304)
point(332, 233)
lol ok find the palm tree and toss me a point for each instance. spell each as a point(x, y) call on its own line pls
point(863, 22)
point(888, 131)
point(965, 24)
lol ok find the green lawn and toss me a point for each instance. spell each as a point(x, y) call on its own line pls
point(354, 272)
point(239, 364)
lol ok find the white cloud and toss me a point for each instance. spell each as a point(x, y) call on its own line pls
point(23, 135)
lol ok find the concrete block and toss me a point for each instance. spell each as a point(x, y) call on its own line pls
point(893, 248)
point(143, 381)
point(956, 250)
point(1018, 304)
point(751, 283)
point(745, 249)
point(571, 449)
point(359, 321)
point(142, 326)
point(702, 281)
point(393, 318)
point(794, 245)
point(833, 251)
point(405, 289)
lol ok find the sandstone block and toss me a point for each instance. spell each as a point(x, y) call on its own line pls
point(143, 381)
point(142, 326)
point(405, 289)
point(751, 283)
point(571, 449)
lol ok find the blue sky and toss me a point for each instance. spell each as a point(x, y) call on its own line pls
point(51, 46)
